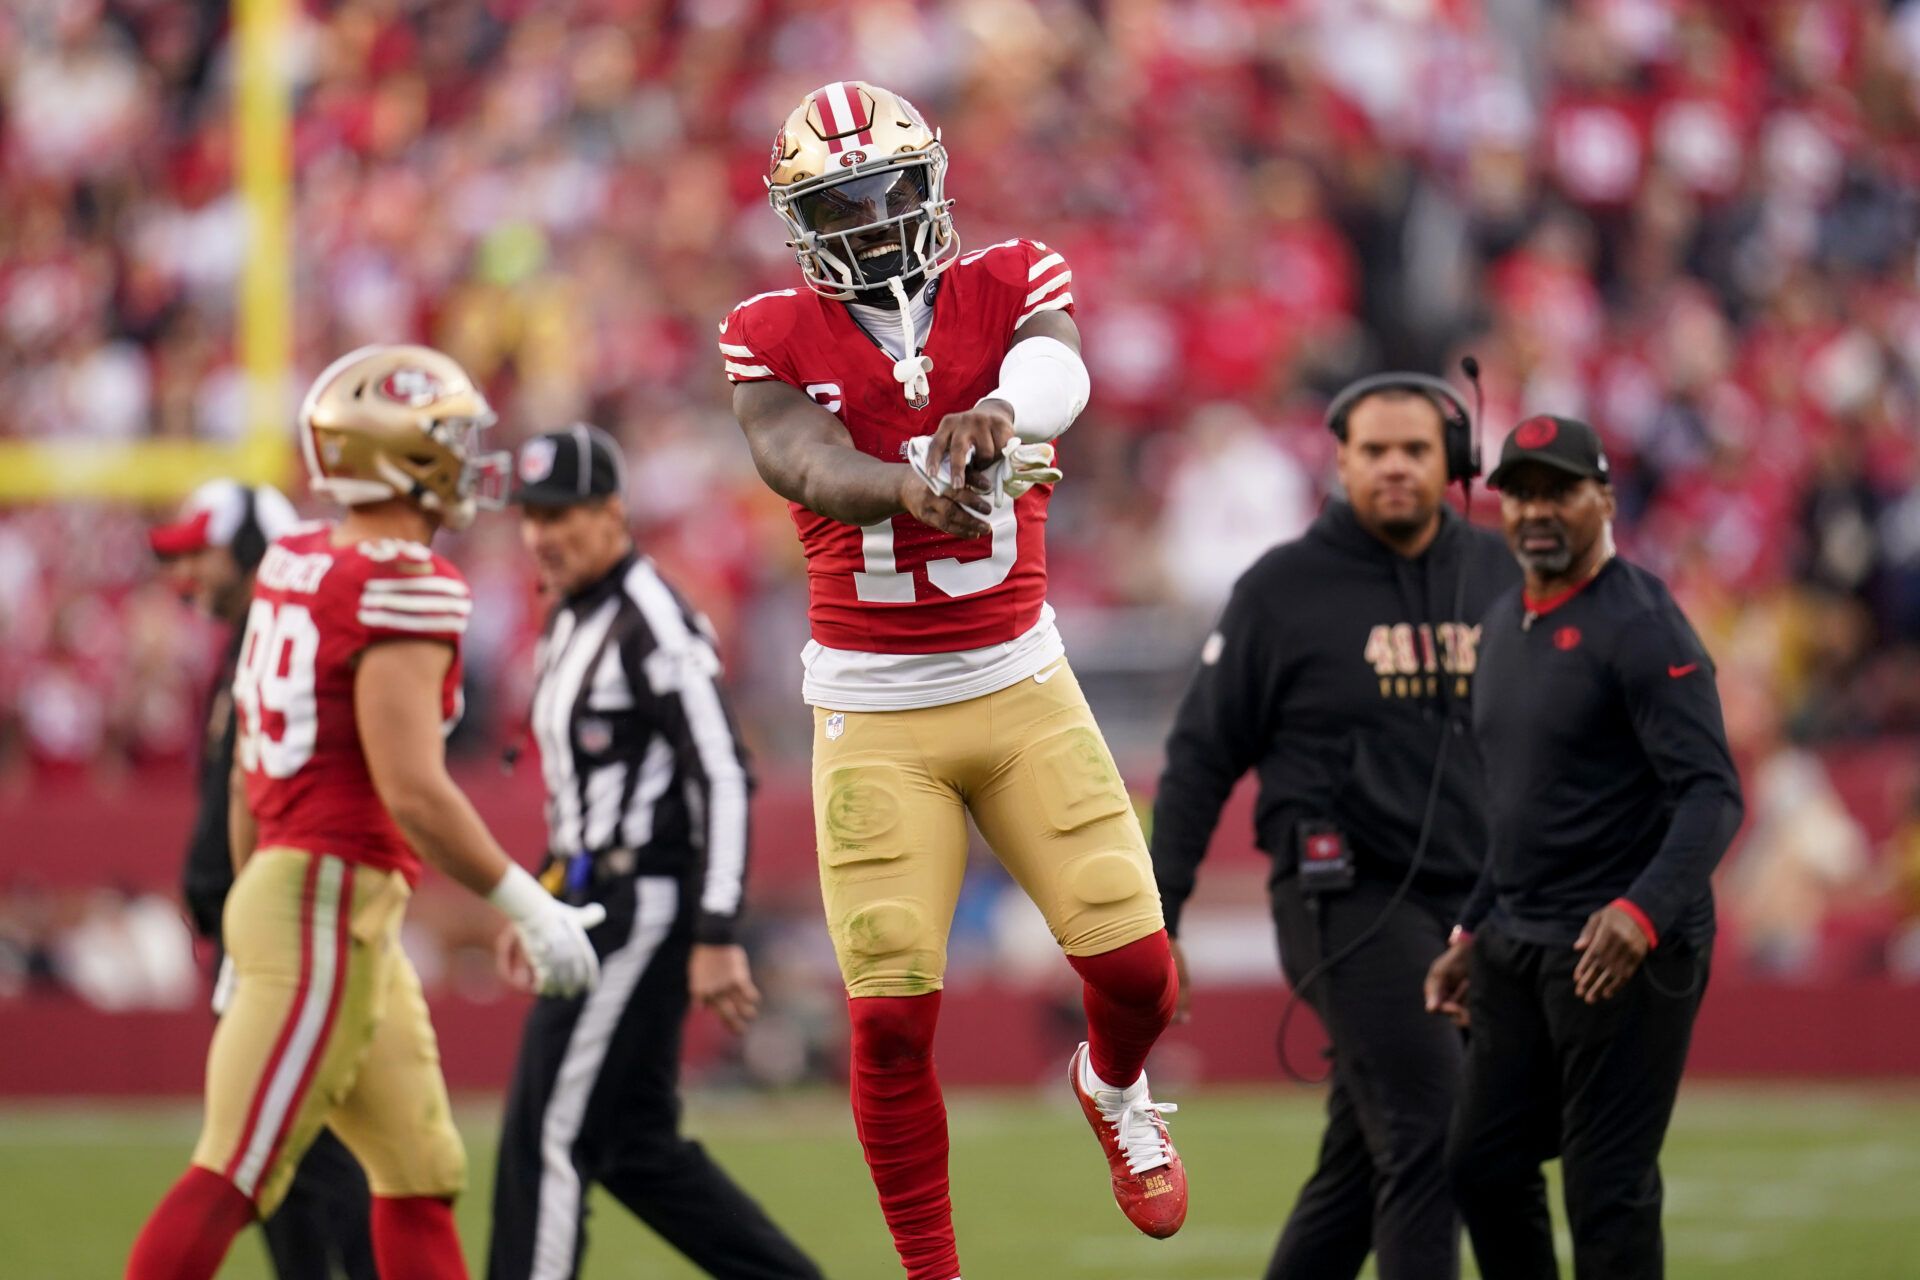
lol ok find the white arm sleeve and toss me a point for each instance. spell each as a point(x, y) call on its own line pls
point(1046, 382)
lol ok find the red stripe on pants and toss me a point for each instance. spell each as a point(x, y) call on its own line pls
point(342, 914)
point(293, 1017)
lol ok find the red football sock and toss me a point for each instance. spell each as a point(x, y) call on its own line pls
point(414, 1239)
point(1129, 998)
point(902, 1123)
point(188, 1235)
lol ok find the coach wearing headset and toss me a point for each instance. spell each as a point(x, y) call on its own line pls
point(1341, 672)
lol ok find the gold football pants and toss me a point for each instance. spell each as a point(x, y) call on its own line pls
point(327, 1026)
point(891, 795)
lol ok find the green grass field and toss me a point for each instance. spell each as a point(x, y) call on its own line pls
point(1814, 1181)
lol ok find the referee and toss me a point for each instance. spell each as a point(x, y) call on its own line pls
point(212, 550)
point(1342, 663)
point(1581, 958)
point(647, 792)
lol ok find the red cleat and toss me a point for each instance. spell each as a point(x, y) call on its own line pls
point(1149, 1182)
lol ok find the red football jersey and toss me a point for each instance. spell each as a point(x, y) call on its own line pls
point(899, 586)
point(316, 607)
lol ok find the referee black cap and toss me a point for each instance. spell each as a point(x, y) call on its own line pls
point(575, 464)
point(1565, 444)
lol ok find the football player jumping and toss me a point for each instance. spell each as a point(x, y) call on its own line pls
point(349, 673)
point(903, 403)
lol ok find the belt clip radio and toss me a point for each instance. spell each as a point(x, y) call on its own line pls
point(1326, 863)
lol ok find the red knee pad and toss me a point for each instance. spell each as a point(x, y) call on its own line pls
point(1139, 975)
point(893, 1030)
point(187, 1236)
point(414, 1239)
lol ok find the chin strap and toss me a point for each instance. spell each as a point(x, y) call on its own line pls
point(911, 369)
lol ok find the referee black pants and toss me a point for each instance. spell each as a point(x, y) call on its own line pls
point(595, 1099)
point(1380, 1183)
point(321, 1230)
point(1548, 1074)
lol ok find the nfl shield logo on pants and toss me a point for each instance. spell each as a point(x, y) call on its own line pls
point(836, 725)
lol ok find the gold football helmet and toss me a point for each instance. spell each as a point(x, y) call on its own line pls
point(402, 421)
point(860, 181)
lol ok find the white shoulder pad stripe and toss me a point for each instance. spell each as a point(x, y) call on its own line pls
point(418, 604)
point(443, 624)
point(1039, 268)
point(1058, 281)
point(1054, 303)
point(416, 587)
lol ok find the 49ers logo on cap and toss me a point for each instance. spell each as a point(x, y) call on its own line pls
point(411, 387)
point(536, 461)
point(1536, 433)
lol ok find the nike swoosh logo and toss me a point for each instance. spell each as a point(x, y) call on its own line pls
point(1041, 677)
point(1689, 669)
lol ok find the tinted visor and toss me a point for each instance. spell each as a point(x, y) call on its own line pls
point(862, 202)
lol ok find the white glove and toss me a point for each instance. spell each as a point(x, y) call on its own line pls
point(954, 476)
point(553, 934)
point(1018, 468)
point(223, 986)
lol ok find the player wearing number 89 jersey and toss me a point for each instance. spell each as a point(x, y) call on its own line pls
point(905, 403)
point(316, 608)
point(349, 673)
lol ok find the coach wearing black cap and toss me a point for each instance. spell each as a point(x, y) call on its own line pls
point(1341, 673)
point(1581, 958)
point(647, 793)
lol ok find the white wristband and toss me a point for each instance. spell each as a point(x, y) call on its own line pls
point(518, 895)
point(1046, 382)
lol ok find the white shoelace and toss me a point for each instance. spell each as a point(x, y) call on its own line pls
point(1140, 1126)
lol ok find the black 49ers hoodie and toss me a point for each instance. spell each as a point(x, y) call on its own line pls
point(1334, 671)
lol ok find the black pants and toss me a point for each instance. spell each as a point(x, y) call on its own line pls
point(1380, 1183)
point(320, 1230)
point(595, 1100)
point(1549, 1074)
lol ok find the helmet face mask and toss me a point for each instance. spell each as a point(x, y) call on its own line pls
point(401, 421)
point(855, 170)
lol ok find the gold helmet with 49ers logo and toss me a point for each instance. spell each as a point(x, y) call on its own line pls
point(860, 181)
point(402, 421)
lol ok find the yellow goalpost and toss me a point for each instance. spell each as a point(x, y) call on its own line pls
point(158, 471)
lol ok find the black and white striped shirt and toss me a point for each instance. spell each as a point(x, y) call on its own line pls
point(638, 747)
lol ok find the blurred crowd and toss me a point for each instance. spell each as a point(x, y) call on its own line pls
point(1693, 222)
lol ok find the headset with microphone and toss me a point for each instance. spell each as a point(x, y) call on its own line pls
point(1461, 444)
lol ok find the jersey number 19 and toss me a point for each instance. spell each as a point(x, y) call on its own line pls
point(883, 582)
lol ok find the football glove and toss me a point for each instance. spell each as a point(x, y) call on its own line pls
point(553, 934)
point(1018, 468)
point(915, 452)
